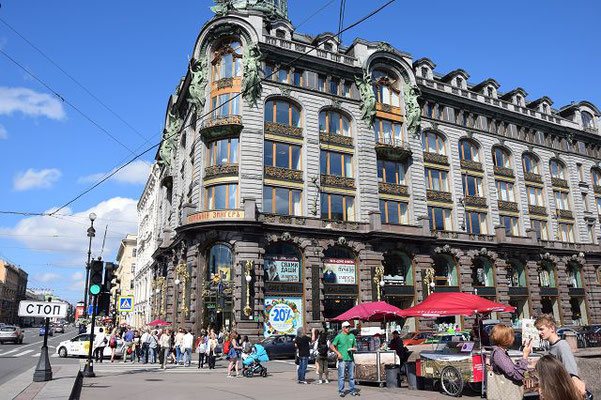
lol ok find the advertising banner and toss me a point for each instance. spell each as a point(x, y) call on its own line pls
point(340, 271)
point(283, 315)
point(282, 269)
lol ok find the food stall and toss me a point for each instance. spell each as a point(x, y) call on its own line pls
point(372, 354)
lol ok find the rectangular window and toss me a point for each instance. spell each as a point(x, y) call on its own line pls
point(591, 233)
point(505, 191)
point(282, 155)
point(535, 196)
point(339, 164)
point(580, 172)
point(566, 233)
point(436, 179)
point(585, 202)
point(133, 253)
point(440, 219)
point(598, 201)
point(223, 152)
point(222, 105)
point(475, 222)
point(511, 224)
point(337, 207)
point(282, 201)
point(347, 89)
point(472, 186)
point(562, 201)
point(391, 172)
point(297, 78)
point(321, 82)
point(222, 197)
point(388, 132)
point(283, 75)
point(334, 84)
point(394, 212)
point(540, 227)
point(268, 71)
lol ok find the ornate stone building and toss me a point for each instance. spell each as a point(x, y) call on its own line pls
point(355, 173)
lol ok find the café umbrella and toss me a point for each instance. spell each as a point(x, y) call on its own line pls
point(159, 322)
point(447, 304)
point(378, 311)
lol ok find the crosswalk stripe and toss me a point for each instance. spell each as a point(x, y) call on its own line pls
point(22, 353)
point(10, 351)
point(54, 355)
point(36, 355)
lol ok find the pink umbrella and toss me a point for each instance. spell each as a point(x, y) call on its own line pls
point(378, 311)
point(442, 304)
point(158, 322)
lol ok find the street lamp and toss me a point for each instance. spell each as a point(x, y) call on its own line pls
point(91, 234)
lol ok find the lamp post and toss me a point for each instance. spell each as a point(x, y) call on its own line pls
point(248, 277)
point(379, 280)
point(91, 234)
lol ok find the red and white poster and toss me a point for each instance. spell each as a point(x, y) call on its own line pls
point(339, 270)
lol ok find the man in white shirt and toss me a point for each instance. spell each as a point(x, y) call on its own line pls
point(187, 343)
point(144, 340)
point(179, 336)
point(99, 344)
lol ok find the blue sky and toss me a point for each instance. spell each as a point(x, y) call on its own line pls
point(132, 54)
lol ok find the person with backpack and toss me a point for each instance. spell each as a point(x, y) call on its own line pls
point(113, 343)
point(322, 347)
point(560, 349)
point(100, 342)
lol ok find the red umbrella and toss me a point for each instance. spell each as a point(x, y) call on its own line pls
point(371, 312)
point(443, 304)
point(158, 322)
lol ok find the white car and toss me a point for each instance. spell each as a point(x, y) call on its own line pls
point(80, 345)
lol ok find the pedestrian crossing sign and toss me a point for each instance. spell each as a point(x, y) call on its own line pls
point(126, 303)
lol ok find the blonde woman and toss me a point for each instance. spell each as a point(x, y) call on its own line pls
point(113, 343)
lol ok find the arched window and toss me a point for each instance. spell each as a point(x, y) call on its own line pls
point(334, 123)
point(282, 263)
point(516, 276)
point(386, 88)
point(557, 169)
point(398, 269)
point(445, 271)
point(587, 119)
point(546, 275)
point(433, 143)
point(530, 164)
point(501, 158)
point(282, 112)
point(388, 132)
point(483, 272)
point(227, 60)
point(221, 262)
point(596, 175)
point(468, 150)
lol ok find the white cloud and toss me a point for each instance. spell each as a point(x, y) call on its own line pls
point(46, 277)
point(32, 179)
point(135, 173)
point(77, 282)
point(3, 132)
point(120, 214)
point(30, 103)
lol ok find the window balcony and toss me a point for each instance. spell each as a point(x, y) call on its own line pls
point(559, 183)
point(566, 214)
point(537, 210)
point(435, 158)
point(392, 149)
point(475, 201)
point(531, 177)
point(503, 171)
point(472, 165)
point(336, 140)
point(215, 171)
point(221, 127)
point(508, 206)
point(441, 197)
point(387, 108)
point(283, 174)
point(337, 181)
point(287, 131)
point(392, 188)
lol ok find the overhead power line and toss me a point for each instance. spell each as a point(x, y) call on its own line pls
point(275, 71)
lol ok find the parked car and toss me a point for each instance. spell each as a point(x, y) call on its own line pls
point(11, 333)
point(50, 331)
point(279, 346)
point(412, 338)
point(59, 329)
point(80, 344)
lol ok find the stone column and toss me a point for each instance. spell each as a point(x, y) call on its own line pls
point(421, 262)
point(502, 288)
point(248, 250)
point(534, 288)
point(563, 299)
point(313, 255)
point(593, 293)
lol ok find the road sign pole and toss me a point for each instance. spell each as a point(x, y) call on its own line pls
point(43, 371)
point(88, 370)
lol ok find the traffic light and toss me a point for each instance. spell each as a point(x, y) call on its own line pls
point(104, 304)
point(109, 276)
point(96, 277)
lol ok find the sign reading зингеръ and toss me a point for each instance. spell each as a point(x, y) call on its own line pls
point(216, 215)
point(42, 309)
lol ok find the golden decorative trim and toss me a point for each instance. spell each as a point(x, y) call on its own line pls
point(471, 165)
point(276, 128)
point(559, 183)
point(221, 170)
point(531, 177)
point(503, 171)
point(339, 140)
point(537, 210)
point(392, 188)
point(438, 196)
point(337, 181)
point(436, 158)
point(508, 206)
point(284, 174)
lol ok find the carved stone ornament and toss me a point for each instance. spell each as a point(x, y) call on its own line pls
point(170, 136)
point(273, 8)
point(199, 79)
point(385, 46)
point(413, 112)
point(286, 236)
point(181, 272)
point(285, 91)
point(368, 98)
point(447, 249)
point(251, 80)
point(336, 103)
point(342, 241)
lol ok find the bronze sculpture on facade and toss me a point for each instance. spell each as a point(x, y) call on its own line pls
point(251, 80)
point(368, 98)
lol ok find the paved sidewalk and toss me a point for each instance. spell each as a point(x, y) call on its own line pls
point(149, 382)
point(22, 386)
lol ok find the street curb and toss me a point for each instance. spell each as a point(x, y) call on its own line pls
point(77, 386)
point(18, 384)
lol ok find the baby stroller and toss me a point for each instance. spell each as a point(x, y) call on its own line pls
point(252, 364)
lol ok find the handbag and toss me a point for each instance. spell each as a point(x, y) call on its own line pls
point(498, 387)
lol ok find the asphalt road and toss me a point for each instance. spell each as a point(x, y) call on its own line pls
point(18, 358)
